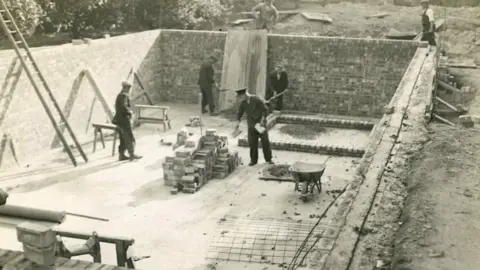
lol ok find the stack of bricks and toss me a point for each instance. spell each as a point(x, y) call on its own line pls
point(198, 161)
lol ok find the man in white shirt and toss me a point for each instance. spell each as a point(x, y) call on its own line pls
point(428, 23)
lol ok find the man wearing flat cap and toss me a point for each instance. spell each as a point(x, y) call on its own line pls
point(206, 82)
point(257, 113)
point(123, 120)
point(428, 23)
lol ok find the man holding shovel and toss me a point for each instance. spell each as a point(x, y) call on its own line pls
point(277, 84)
point(257, 113)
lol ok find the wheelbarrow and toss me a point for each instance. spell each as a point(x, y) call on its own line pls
point(307, 178)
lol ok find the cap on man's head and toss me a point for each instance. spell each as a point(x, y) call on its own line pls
point(241, 91)
point(126, 84)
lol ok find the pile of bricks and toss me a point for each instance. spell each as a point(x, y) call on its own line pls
point(198, 161)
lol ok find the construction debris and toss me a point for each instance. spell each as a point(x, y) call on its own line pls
point(194, 121)
point(378, 15)
point(199, 160)
point(466, 121)
point(318, 17)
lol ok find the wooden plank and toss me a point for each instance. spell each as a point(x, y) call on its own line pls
point(317, 17)
point(144, 92)
point(244, 65)
point(378, 15)
point(152, 107)
point(11, 255)
point(446, 104)
point(68, 108)
point(99, 94)
point(443, 120)
point(472, 66)
point(85, 236)
point(448, 87)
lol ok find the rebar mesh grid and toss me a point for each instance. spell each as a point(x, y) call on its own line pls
point(260, 240)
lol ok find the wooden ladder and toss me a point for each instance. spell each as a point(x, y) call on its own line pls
point(33, 72)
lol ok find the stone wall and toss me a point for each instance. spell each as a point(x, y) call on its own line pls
point(327, 75)
point(109, 60)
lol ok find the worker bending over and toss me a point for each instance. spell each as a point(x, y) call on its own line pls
point(267, 17)
point(257, 113)
point(277, 84)
point(428, 23)
point(123, 120)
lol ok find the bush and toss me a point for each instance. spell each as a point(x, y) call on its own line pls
point(27, 15)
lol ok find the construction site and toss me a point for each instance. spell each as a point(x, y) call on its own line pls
point(375, 150)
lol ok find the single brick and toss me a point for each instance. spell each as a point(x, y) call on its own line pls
point(35, 235)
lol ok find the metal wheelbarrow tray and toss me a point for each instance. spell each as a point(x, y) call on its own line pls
point(309, 175)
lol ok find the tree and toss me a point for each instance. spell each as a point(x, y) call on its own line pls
point(77, 16)
point(203, 14)
point(26, 13)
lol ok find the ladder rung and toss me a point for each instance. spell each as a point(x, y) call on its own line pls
point(2, 10)
point(18, 42)
point(13, 32)
point(7, 21)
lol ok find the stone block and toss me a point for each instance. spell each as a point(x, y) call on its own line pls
point(211, 132)
point(40, 256)
point(466, 121)
point(387, 109)
point(189, 169)
point(183, 161)
point(188, 178)
point(35, 235)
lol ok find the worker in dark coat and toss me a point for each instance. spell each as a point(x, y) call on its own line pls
point(428, 23)
point(257, 113)
point(277, 84)
point(3, 197)
point(123, 120)
point(206, 82)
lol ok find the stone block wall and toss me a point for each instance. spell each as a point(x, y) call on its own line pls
point(109, 60)
point(327, 75)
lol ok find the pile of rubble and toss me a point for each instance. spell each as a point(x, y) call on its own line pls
point(198, 160)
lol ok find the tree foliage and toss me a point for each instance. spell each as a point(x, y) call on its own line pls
point(84, 17)
point(27, 14)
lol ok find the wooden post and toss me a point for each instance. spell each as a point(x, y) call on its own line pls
point(91, 113)
point(121, 253)
point(143, 88)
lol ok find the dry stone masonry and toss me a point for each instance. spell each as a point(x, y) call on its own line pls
point(198, 160)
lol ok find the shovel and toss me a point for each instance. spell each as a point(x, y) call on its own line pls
point(236, 132)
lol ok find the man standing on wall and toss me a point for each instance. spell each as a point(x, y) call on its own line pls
point(257, 113)
point(206, 82)
point(277, 84)
point(123, 120)
point(267, 17)
point(428, 23)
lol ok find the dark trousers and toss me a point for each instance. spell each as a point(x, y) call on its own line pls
point(127, 140)
point(430, 37)
point(279, 103)
point(253, 137)
point(207, 98)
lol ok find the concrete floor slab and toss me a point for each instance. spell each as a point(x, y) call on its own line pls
point(175, 230)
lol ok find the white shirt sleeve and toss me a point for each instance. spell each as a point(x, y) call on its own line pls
point(429, 13)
